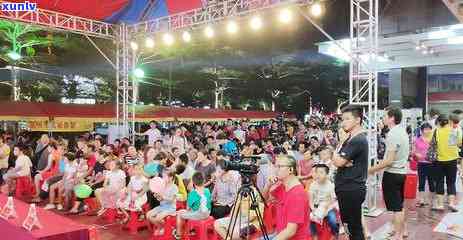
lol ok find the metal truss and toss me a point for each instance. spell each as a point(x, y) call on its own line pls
point(126, 99)
point(363, 83)
point(126, 60)
point(60, 21)
point(213, 13)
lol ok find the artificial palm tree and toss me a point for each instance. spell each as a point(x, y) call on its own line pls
point(20, 43)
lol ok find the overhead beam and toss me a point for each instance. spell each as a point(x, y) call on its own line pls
point(208, 15)
point(59, 21)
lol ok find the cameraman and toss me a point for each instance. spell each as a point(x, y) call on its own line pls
point(226, 186)
point(290, 199)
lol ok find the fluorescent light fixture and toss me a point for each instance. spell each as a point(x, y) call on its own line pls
point(456, 27)
point(455, 40)
point(441, 34)
point(332, 49)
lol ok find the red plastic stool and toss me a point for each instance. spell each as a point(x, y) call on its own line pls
point(110, 215)
point(24, 186)
point(201, 227)
point(92, 205)
point(323, 231)
point(134, 224)
point(181, 205)
point(169, 226)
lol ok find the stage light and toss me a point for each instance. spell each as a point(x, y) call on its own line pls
point(14, 56)
point(285, 16)
point(138, 73)
point(149, 43)
point(134, 46)
point(316, 9)
point(168, 39)
point(232, 27)
point(186, 36)
point(209, 32)
point(256, 23)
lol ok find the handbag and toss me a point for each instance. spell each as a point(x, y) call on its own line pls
point(431, 154)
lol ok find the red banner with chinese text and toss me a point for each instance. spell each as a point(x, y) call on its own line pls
point(60, 125)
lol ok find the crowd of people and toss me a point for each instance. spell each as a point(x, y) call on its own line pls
point(310, 172)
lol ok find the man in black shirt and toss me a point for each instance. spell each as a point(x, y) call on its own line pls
point(352, 162)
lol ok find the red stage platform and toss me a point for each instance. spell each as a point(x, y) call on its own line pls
point(55, 227)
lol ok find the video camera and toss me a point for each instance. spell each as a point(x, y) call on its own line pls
point(246, 166)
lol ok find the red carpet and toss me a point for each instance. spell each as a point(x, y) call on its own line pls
point(55, 227)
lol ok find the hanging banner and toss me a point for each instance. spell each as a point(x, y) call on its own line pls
point(60, 125)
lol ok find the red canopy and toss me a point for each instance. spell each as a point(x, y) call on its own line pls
point(128, 11)
point(107, 112)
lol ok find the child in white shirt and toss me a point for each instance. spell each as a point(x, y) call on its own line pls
point(322, 200)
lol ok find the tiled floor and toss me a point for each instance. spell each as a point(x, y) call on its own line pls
point(421, 222)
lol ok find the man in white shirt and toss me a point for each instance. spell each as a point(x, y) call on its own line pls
point(153, 134)
point(22, 167)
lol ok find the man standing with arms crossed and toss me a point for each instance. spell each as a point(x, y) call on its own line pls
point(350, 180)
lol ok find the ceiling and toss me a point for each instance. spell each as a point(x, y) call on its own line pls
point(436, 46)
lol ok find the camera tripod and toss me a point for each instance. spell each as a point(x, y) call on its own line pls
point(247, 190)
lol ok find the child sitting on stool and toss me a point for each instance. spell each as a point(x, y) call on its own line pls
point(322, 201)
point(199, 204)
point(167, 201)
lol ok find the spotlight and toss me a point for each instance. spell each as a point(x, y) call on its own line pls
point(316, 9)
point(138, 73)
point(285, 16)
point(256, 23)
point(425, 52)
point(209, 32)
point(417, 47)
point(186, 36)
point(14, 56)
point(134, 46)
point(431, 51)
point(232, 27)
point(149, 43)
point(168, 39)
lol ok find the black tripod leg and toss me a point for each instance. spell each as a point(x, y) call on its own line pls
point(259, 216)
point(234, 216)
